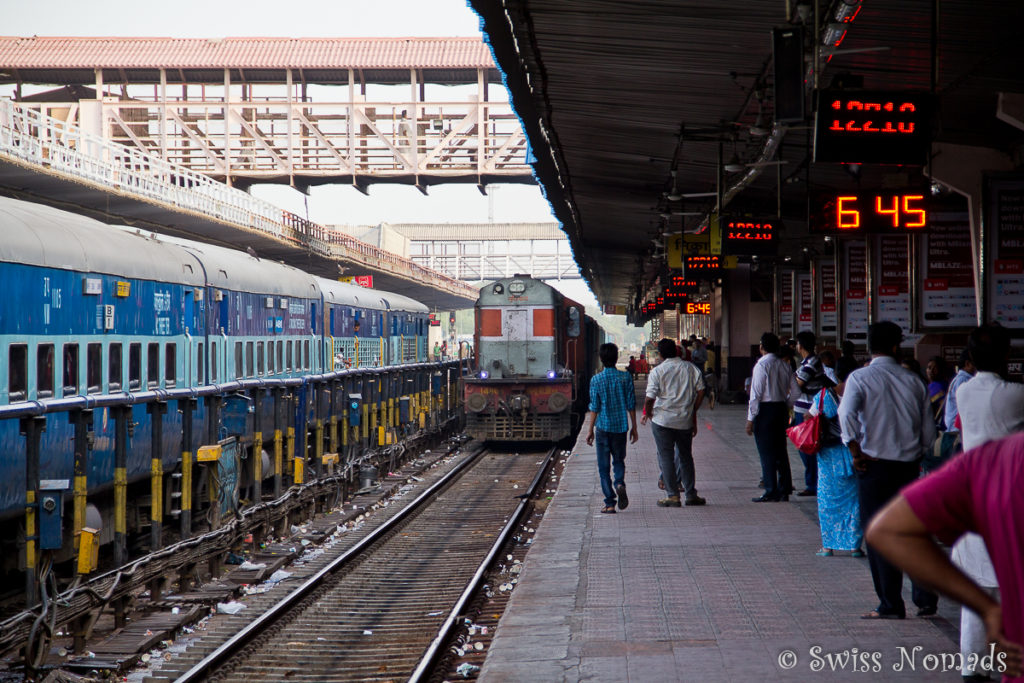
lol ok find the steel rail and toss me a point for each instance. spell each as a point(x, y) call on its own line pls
point(241, 639)
point(433, 651)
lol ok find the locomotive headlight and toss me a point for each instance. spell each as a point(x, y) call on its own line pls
point(484, 374)
point(552, 374)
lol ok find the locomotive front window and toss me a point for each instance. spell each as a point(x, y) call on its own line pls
point(17, 372)
point(170, 364)
point(114, 367)
point(94, 368)
point(134, 366)
point(44, 370)
point(70, 369)
point(153, 365)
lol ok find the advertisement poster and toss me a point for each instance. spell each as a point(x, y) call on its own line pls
point(828, 318)
point(1005, 214)
point(785, 303)
point(803, 286)
point(893, 300)
point(947, 290)
point(855, 284)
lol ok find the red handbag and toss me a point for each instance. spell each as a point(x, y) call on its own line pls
point(806, 436)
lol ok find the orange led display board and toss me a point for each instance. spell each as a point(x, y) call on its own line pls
point(874, 127)
point(864, 211)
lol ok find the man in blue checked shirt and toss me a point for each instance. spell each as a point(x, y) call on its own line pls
point(612, 397)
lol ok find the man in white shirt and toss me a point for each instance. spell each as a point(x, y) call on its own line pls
point(887, 424)
point(773, 389)
point(675, 389)
point(990, 408)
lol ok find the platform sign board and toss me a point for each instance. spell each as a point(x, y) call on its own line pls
point(855, 286)
point(805, 307)
point(786, 301)
point(948, 295)
point(828, 314)
point(893, 290)
point(873, 127)
point(1004, 220)
point(679, 245)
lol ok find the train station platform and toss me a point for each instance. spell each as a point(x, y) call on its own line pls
point(726, 592)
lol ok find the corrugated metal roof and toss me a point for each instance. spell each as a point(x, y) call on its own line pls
point(243, 53)
point(614, 96)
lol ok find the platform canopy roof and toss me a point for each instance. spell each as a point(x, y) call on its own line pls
point(628, 103)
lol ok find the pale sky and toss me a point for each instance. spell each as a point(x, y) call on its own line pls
point(310, 18)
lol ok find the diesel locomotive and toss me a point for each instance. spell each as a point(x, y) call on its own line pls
point(93, 315)
point(535, 353)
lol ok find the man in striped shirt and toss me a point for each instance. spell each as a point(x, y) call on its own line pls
point(612, 397)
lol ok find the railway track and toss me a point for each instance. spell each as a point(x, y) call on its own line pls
point(386, 608)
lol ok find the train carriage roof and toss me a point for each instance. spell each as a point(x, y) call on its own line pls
point(345, 294)
point(240, 271)
point(40, 235)
point(398, 302)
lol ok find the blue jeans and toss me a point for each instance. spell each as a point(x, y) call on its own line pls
point(675, 457)
point(611, 446)
point(809, 460)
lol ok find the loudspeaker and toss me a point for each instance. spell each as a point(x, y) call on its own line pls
point(788, 55)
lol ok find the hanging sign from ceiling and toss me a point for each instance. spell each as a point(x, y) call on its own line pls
point(873, 127)
point(749, 236)
point(863, 211)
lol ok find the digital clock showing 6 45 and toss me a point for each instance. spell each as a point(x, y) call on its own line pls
point(869, 211)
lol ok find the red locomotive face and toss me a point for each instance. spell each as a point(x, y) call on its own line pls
point(546, 396)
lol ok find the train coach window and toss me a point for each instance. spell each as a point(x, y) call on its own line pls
point(239, 353)
point(213, 362)
point(17, 372)
point(114, 368)
point(44, 370)
point(199, 364)
point(94, 368)
point(280, 356)
point(259, 358)
point(70, 369)
point(134, 366)
point(170, 364)
point(248, 360)
point(153, 365)
point(270, 357)
point(305, 353)
point(288, 356)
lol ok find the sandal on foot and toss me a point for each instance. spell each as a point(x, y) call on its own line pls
point(824, 552)
point(661, 483)
point(608, 510)
point(857, 553)
point(875, 614)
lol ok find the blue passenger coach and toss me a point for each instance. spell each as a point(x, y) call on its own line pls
point(93, 311)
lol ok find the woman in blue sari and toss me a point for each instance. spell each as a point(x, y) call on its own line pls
point(838, 506)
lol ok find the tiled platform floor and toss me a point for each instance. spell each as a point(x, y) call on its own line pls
point(718, 593)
